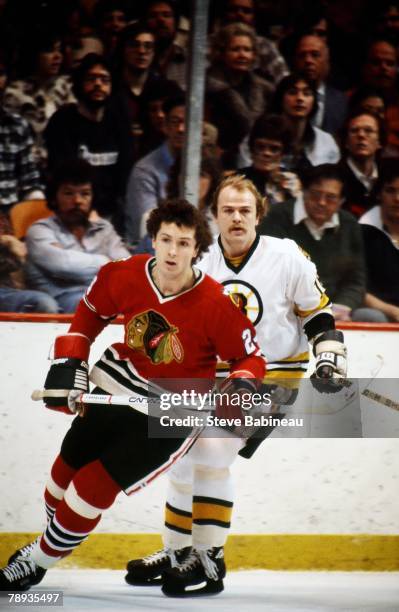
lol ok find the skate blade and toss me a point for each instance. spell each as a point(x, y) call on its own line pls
point(209, 589)
point(147, 583)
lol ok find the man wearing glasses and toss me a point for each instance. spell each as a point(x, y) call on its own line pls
point(331, 236)
point(137, 82)
point(150, 175)
point(269, 140)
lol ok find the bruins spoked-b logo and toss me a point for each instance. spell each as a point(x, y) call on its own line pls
point(150, 333)
point(246, 298)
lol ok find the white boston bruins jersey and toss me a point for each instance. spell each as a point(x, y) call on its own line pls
point(276, 285)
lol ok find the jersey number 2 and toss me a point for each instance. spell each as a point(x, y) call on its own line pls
point(249, 344)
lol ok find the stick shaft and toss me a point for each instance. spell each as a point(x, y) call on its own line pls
point(381, 399)
point(134, 401)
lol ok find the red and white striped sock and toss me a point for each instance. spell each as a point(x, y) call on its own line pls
point(60, 476)
point(91, 491)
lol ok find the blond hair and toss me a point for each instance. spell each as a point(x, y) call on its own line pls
point(240, 183)
point(221, 39)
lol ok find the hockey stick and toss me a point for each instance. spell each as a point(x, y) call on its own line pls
point(373, 395)
point(381, 399)
point(141, 403)
point(133, 401)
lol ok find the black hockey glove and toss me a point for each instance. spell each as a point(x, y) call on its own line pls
point(68, 376)
point(64, 376)
point(331, 367)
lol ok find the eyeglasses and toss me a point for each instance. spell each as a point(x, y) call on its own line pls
point(138, 44)
point(330, 198)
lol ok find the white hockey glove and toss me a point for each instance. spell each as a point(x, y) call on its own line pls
point(331, 366)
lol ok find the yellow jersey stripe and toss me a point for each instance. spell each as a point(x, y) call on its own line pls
point(324, 301)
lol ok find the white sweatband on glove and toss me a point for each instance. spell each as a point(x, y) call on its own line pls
point(330, 352)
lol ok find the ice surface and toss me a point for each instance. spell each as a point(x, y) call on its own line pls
point(249, 591)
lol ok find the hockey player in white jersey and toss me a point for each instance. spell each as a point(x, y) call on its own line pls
point(276, 284)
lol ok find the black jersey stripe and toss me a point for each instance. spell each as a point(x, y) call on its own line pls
point(122, 363)
point(120, 379)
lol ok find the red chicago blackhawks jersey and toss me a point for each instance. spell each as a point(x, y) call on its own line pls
point(175, 336)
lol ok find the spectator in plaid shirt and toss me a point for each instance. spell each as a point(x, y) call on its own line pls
point(19, 176)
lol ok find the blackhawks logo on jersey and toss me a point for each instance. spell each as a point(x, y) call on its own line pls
point(246, 298)
point(150, 333)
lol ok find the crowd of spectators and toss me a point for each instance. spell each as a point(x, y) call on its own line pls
point(300, 97)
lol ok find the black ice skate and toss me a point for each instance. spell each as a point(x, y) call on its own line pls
point(148, 570)
point(200, 566)
point(20, 574)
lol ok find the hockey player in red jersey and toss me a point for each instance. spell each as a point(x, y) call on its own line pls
point(177, 320)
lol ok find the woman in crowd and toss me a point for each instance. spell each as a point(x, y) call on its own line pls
point(296, 101)
point(42, 89)
point(236, 95)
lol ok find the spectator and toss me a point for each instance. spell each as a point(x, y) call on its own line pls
point(149, 176)
point(171, 46)
point(312, 21)
point(153, 118)
point(66, 250)
point(380, 70)
point(14, 296)
point(111, 18)
point(380, 228)
point(90, 130)
point(371, 100)
point(235, 94)
point(368, 99)
point(380, 66)
point(363, 137)
point(269, 141)
point(42, 90)
point(269, 63)
point(315, 20)
point(330, 236)
point(312, 59)
point(137, 80)
point(19, 175)
point(388, 20)
point(209, 143)
point(296, 100)
point(81, 47)
point(79, 35)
